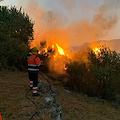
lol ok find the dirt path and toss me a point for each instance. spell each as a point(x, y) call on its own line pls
point(15, 106)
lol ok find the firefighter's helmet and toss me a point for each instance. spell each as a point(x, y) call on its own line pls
point(35, 50)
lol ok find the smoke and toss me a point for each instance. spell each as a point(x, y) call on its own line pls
point(61, 22)
point(58, 24)
point(105, 20)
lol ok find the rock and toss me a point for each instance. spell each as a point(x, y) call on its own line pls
point(67, 91)
point(50, 105)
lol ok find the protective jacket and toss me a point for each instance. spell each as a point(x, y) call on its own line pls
point(33, 63)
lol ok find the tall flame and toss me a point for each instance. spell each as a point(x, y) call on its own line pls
point(58, 57)
point(60, 50)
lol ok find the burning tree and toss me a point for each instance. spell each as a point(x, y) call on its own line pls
point(99, 76)
point(54, 56)
point(106, 68)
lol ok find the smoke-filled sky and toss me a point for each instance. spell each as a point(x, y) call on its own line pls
point(72, 22)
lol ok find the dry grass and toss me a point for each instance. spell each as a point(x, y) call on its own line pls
point(15, 106)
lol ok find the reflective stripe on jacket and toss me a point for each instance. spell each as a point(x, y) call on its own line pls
point(33, 63)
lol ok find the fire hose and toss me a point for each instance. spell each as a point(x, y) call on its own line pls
point(50, 89)
point(32, 102)
point(50, 85)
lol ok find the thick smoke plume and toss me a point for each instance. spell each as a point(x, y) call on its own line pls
point(58, 25)
point(62, 22)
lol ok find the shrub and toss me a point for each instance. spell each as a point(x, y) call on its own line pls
point(99, 76)
point(76, 71)
point(106, 68)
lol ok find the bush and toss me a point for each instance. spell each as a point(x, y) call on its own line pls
point(99, 76)
point(76, 71)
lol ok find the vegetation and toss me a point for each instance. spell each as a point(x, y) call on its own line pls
point(96, 74)
point(97, 77)
point(16, 29)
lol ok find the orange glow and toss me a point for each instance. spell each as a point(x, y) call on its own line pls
point(59, 59)
point(52, 46)
point(0, 117)
point(60, 50)
point(58, 56)
point(45, 49)
point(96, 50)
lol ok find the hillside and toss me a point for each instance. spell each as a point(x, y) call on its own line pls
point(15, 106)
point(112, 44)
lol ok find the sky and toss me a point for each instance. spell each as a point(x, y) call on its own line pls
point(60, 6)
point(72, 22)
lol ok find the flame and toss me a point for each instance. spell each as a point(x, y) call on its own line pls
point(53, 46)
point(58, 57)
point(60, 50)
point(46, 50)
point(96, 50)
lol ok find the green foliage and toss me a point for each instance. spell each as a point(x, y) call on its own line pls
point(76, 71)
point(16, 29)
point(106, 69)
point(99, 76)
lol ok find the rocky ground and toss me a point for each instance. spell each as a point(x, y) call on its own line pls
point(15, 106)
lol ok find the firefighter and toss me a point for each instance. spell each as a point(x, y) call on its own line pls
point(34, 63)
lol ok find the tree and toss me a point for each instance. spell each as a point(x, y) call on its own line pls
point(105, 70)
point(16, 30)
